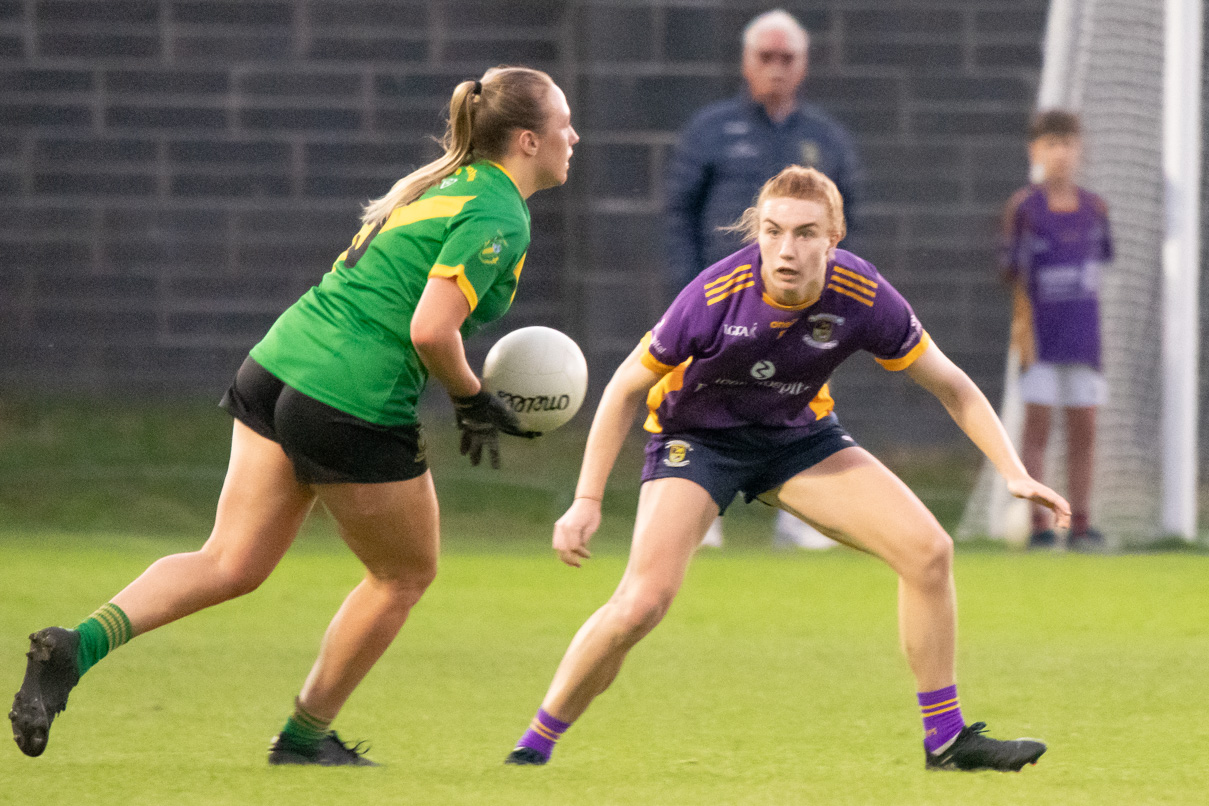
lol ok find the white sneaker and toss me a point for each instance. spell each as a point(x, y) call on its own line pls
point(713, 538)
point(791, 533)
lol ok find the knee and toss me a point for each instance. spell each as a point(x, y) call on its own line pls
point(235, 578)
point(638, 612)
point(931, 564)
point(408, 582)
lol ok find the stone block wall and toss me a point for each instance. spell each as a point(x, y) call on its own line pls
point(174, 173)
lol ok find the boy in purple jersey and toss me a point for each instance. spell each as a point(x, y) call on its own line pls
point(1055, 240)
point(735, 379)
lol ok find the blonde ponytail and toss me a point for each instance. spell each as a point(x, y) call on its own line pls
point(482, 117)
point(458, 151)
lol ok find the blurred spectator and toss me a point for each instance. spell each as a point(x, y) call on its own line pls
point(729, 149)
point(1055, 241)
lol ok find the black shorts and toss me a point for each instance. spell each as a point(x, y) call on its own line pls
point(326, 445)
point(733, 460)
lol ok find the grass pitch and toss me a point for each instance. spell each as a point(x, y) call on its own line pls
point(775, 679)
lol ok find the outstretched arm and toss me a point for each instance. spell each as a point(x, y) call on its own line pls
point(626, 390)
point(972, 412)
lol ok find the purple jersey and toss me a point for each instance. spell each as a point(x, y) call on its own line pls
point(732, 357)
point(1058, 255)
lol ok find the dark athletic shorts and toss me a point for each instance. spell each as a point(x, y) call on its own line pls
point(325, 445)
point(747, 460)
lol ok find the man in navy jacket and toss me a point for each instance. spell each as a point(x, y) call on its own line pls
point(730, 148)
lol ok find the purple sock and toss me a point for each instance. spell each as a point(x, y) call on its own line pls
point(543, 732)
point(942, 717)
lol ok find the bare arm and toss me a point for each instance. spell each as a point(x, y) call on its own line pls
point(972, 412)
point(434, 333)
point(626, 390)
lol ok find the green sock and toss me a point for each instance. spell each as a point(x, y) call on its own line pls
point(101, 633)
point(304, 729)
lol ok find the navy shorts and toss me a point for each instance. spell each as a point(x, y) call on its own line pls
point(751, 461)
point(325, 445)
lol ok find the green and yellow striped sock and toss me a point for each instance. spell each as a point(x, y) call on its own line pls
point(303, 729)
point(101, 633)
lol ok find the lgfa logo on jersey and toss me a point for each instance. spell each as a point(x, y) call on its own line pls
point(822, 330)
point(740, 330)
point(763, 370)
point(677, 453)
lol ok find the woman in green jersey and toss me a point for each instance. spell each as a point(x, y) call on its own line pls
point(325, 408)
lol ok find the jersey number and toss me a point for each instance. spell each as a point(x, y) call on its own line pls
point(358, 248)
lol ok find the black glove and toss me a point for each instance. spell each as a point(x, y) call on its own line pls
point(481, 417)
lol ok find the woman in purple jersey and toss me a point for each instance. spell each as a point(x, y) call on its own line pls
point(735, 376)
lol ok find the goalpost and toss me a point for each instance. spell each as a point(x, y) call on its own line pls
point(1132, 69)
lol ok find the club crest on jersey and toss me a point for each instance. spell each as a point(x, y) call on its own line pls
point(763, 370)
point(822, 330)
point(491, 252)
point(677, 453)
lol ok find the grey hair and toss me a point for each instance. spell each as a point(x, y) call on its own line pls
point(776, 20)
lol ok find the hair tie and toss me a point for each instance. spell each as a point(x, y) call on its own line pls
point(478, 87)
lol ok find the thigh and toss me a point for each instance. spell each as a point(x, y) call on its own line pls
point(854, 498)
point(392, 527)
point(673, 516)
point(262, 504)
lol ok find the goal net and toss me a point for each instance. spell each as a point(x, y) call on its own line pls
point(1105, 60)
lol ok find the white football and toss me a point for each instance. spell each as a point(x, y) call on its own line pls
point(541, 373)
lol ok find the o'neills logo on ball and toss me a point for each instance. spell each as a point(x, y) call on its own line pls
point(522, 404)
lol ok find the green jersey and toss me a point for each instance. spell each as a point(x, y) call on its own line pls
point(347, 341)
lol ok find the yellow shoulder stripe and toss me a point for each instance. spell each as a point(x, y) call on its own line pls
point(720, 280)
point(425, 209)
point(730, 292)
point(895, 364)
point(854, 276)
point(422, 210)
point(719, 291)
point(869, 292)
point(847, 293)
point(457, 274)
